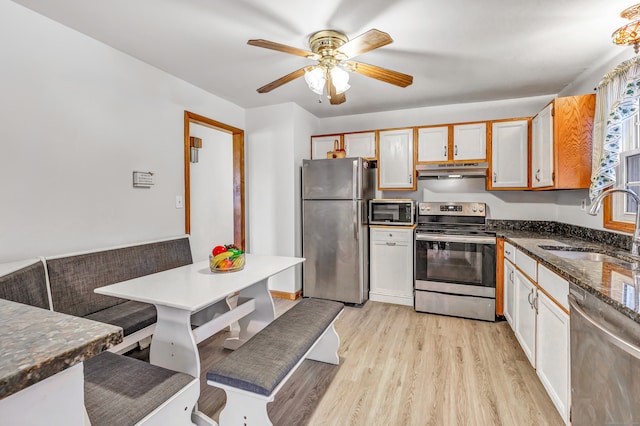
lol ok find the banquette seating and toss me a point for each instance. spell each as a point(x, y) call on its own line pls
point(119, 391)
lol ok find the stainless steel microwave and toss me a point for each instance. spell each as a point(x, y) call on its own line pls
point(392, 211)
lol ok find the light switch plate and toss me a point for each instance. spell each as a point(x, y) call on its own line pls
point(179, 202)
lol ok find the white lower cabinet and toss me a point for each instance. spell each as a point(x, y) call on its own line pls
point(552, 353)
point(525, 315)
point(391, 265)
point(509, 291)
point(537, 312)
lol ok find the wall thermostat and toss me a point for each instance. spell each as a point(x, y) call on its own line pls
point(142, 179)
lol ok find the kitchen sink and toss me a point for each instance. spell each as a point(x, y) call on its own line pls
point(576, 253)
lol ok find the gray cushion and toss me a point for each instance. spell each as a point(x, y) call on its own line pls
point(27, 285)
point(74, 278)
point(131, 316)
point(119, 390)
point(259, 365)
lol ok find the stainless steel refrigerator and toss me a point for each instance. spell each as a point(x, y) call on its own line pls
point(335, 234)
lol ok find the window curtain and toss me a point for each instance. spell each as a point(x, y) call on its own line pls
point(616, 101)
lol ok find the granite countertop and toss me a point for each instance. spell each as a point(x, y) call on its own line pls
point(36, 343)
point(610, 280)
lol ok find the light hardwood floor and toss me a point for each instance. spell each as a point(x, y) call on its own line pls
point(400, 367)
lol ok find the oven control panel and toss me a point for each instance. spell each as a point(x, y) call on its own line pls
point(452, 209)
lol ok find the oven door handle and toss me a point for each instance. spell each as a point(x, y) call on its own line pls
point(456, 239)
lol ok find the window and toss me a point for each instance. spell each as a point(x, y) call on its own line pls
point(620, 209)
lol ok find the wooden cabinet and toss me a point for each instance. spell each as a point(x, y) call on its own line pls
point(509, 147)
point(452, 143)
point(433, 144)
point(391, 265)
point(320, 145)
point(470, 141)
point(360, 144)
point(396, 166)
point(542, 167)
point(552, 352)
point(525, 315)
point(561, 143)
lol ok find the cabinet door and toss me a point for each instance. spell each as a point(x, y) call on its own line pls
point(542, 148)
point(320, 145)
point(395, 159)
point(509, 292)
point(553, 354)
point(391, 261)
point(360, 144)
point(525, 316)
point(510, 154)
point(470, 141)
point(433, 144)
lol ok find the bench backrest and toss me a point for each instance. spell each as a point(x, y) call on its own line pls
point(74, 278)
point(25, 284)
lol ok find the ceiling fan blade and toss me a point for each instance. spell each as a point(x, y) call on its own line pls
point(282, 80)
point(283, 48)
point(370, 40)
point(382, 74)
point(334, 98)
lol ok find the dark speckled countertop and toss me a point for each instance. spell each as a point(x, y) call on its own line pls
point(36, 343)
point(610, 280)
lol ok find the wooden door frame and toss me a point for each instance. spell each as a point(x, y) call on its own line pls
point(238, 173)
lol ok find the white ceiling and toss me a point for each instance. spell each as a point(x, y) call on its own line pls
point(457, 50)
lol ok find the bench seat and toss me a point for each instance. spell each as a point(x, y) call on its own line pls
point(122, 391)
point(253, 373)
point(25, 282)
point(132, 316)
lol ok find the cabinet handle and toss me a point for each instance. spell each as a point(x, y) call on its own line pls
point(535, 302)
point(455, 150)
point(538, 175)
point(508, 252)
point(389, 243)
point(511, 276)
point(410, 179)
point(495, 177)
point(529, 298)
point(446, 152)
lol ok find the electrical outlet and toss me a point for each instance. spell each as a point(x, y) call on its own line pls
point(583, 205)
point(179, 202)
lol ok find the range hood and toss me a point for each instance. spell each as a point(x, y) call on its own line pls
point(452, 170)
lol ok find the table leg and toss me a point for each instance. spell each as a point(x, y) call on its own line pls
point(173, 345)
point(258, 319)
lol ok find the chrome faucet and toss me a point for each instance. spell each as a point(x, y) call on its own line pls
point(597, 203)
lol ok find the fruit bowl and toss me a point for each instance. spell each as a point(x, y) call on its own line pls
point(230, 260)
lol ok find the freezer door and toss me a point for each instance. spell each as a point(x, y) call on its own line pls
point(337, 178)
point(334, 246)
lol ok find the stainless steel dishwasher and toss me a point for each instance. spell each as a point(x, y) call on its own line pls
point(605, 362)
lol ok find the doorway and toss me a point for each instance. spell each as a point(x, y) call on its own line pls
point(211, 129)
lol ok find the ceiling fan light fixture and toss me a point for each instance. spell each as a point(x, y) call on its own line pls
point(315, 79)
point(629, 35)
point(340, 79)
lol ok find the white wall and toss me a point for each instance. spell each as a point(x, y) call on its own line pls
point(78, 117)
point(278, 136)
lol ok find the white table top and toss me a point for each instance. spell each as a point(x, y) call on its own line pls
point(194, 287)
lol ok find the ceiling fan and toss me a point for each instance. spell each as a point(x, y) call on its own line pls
point(333, 50)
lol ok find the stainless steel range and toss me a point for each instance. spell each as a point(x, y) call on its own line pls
point(455, 261)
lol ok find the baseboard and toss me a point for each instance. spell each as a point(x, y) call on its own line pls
point(284, 295)
point(391, 298)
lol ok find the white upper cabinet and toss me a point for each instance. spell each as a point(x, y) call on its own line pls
point(320, 145)
point(510, 154)
point(542, 148)
point(396, 166)
point(433, 144)
point(470, 141)
point(360, 144)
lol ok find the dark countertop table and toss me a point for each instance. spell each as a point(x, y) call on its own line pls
point(36, 343)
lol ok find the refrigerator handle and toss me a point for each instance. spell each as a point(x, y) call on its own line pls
point(356, 218)
point(355, 180)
